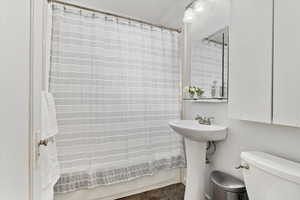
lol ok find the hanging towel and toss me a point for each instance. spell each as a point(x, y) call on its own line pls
point(49, 122)
point(47, 193)
point(44, 114)
point(50, 171)
point(52, 129)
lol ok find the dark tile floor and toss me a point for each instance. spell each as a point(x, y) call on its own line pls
point(172, 192)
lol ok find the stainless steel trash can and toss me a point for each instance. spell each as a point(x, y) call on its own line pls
point(227, 187)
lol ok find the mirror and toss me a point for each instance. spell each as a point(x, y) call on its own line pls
point(209, 50)
point(209, 64)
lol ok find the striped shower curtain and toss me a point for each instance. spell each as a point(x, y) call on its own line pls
point(116, 86)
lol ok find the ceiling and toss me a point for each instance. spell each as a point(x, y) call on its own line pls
point(163, 12)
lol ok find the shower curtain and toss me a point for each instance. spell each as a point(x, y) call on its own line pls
point(116, 86)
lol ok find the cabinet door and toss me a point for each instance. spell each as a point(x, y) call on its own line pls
point(250, 69)
point(287, 62)
point(14, 108)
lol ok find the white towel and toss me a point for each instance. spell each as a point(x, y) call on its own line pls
point(45, 115)
point(49, 123)
point(47, 194)
point(50, 171)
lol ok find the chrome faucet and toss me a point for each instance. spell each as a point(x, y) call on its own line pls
point(204, 120)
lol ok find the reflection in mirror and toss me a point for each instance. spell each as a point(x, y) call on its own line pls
point(207, 40)
point(209, 64)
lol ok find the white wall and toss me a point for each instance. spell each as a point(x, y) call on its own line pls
point(215, 16)
point(242, 135)
point(14, 106)
point(246, 136)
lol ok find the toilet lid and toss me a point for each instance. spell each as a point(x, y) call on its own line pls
point(227, 182)
point(274, 165)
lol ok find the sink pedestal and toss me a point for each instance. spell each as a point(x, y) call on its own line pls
point(196, 137)
point(196, 163)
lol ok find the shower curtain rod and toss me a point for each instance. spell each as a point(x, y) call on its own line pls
point(115, 15)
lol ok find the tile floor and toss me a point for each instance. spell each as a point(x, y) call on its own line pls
point(172, 192)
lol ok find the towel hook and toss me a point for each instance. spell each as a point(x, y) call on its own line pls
point(43, 143)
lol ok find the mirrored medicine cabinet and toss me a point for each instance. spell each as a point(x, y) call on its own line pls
point(206, 64)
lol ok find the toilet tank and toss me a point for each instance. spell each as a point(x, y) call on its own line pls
point(270, 177)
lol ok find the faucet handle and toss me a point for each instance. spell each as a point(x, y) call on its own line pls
point(210, 119)
point(198, 117)
point(243, 167)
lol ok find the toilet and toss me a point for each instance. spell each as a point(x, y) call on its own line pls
point(268, 177)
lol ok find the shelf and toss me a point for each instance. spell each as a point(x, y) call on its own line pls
point(208, 100)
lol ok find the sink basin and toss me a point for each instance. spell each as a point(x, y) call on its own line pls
point(198, 132)
point(196, 137)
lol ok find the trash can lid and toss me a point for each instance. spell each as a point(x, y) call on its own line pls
point(227, 182)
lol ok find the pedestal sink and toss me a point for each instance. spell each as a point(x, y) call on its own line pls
point(196, 137)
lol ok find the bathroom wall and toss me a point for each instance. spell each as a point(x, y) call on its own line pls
point(214, 17)
point(242, 135)
point(245, 136)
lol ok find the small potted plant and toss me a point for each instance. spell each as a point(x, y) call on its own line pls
point(199, 92)
point(191, 91)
